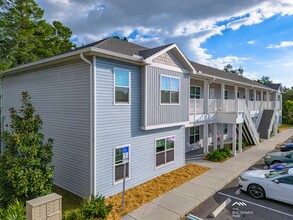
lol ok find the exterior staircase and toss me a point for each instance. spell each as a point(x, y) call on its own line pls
point(250, 133)
point(265, 123)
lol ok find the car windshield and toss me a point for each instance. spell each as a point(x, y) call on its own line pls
point(274, 173)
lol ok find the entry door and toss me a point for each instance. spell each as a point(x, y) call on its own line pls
point(212, 93)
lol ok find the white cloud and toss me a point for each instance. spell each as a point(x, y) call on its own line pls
point(251, 42)
point(282, 44)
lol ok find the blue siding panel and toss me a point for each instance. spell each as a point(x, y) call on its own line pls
point(120, 125)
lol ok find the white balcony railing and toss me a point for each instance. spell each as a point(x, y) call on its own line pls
point(196, 106)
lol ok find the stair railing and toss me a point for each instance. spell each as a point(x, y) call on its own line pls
point(259, 115)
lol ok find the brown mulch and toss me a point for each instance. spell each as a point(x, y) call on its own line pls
point(146, 192)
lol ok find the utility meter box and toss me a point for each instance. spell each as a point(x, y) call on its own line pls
point(47, 207)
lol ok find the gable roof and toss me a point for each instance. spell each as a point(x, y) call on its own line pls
point(120, 48)
point(225, 75)
point(275, 86)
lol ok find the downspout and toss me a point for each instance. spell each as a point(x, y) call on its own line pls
point(92, 168)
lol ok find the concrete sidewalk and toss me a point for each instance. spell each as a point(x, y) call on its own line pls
point(179, 201)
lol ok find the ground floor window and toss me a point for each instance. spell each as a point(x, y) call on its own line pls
point(119, 166)
point(165, 150)
point(193, 135)
point(225, 127)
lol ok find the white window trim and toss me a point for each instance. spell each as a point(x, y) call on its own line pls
point(114, 165)
point(225, 126)
point(168, 163)
point(129, 86)
point(195, 90)
point(162, 75)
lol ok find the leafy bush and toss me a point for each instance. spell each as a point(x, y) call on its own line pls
point(94, 208)
point(25, 165)
point(244, 145)
point(15, 211)
point(219, 155)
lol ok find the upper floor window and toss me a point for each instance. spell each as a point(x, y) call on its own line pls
point(122, 86)
point(194, 92)
point(225, 128)
point(251, 98)
point(226, 94)
point(170, 90)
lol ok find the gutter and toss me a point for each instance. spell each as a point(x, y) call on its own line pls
point(92, 50)
point(92, 128)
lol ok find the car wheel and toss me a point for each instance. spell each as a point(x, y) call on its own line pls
point(256, 191)
point(276, 162)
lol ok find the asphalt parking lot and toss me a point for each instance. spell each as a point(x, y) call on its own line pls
point(242, 206)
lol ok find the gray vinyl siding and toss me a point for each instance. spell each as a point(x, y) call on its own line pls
point(119, 125)
point(60, 95)
point(159, 114)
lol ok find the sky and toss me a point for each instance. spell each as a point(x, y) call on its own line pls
point(254, 34)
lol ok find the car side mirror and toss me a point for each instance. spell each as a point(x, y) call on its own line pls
point(276, 181)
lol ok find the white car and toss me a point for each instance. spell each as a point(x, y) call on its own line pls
point(277, 185)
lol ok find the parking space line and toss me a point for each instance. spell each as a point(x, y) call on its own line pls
point(274, 210)
point(237, 192)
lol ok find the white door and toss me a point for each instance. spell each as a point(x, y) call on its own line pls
point(282, 190)
point(212, 93)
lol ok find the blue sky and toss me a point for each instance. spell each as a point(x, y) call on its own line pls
point(254, 34)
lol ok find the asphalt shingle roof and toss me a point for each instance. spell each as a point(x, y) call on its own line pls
point(275, 86)
point(220, 73)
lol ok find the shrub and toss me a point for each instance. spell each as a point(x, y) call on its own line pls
point(244, 145)
point(15, 211)
point(94, 208)
point(219, 155)
point(25, 165)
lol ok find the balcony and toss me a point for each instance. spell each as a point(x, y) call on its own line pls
point(196, 106)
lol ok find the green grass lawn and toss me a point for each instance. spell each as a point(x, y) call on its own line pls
point(284, 126)
point(69, 200)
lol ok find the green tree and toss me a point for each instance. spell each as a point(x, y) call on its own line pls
point(25, 165)
point(123, 39)
point(264, 80)
point(26, 37)
point(229, 69)
point(286, 108)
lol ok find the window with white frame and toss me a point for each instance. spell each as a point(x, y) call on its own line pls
point(193, 135)
point(225, 128)
point(238, 94)
point(118, 165)
point(226, 94)
point(170, 90)
point(194, 92)
point(251, 96)
point(122, 86)
point(165, 150)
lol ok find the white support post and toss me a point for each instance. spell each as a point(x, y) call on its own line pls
point(261, 97)
point(215, 130)
point(234, 139)
point(222, 136)
point(206, 96)
point(254, 98)
point(205, 138)
point(268, 98)
point(222, 96)
point(235, 97)
point(246, 96)
point(240, 138)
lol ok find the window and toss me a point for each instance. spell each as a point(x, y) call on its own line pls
point(286, 180)
point(238, 95)
point(193, 135)
point(226, 94)
point(119, 166)
point(122, 86)
point(225, 127)
point(251, 96)
point(169, 90)
point(165, 150)
point(194, 92)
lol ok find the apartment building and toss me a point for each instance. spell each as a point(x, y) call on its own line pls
point(112, 95)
